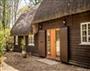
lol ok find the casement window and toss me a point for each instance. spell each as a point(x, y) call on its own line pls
point(85, 33)
point(31, 40)
point(16, 40)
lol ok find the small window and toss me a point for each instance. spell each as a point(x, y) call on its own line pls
point(16, 40)
point(31, 39)
point(85, 33)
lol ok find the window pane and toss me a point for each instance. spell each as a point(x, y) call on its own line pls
point(89, 39)
point(88, 32)
point(31, 39)
point(88, 29)
point(84, 39)
point(84, 33)
point(89, 26)
point(84, 27)
point(84, 36)
point(57, 35)
point(16, 39)
point(48, 41)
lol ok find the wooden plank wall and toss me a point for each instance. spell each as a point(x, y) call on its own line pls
point(79, 54)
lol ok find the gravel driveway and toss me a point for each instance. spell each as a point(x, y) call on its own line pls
point(31, 63)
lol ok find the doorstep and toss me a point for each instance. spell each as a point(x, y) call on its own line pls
point(46, 61)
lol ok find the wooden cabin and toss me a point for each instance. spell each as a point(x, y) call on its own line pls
point(62, 31)
point(21, 29)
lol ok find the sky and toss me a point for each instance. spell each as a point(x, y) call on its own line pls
point(23, 3)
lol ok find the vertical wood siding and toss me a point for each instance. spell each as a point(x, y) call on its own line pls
point(78, 54)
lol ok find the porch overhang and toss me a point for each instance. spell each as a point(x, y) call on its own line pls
point(21, 30)
point(22, 25)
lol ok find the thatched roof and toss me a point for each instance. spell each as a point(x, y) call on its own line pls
point(52, 9)
point(23, 25)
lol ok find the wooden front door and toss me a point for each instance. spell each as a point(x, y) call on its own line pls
point(53, 47)
point(41, 43)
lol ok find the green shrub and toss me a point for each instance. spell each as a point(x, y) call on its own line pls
point(3, 35)
point(22, 44)
point(2, 41)
point(9, 43)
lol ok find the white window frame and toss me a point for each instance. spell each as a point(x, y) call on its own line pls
point(31, 44)
point(16, 40)
point(85, 43)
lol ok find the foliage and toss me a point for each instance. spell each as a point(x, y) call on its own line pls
point(24, 9)
point(8, 12)
point(9, 41)
point(1, 25)
point(4, 34)
point(23, 44)
point(2, 41)
point(24, 53)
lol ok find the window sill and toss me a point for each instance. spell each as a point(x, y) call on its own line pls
point(31, 45)
point(84, 44)
point(16, 44)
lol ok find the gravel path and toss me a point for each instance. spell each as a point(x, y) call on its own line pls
point(6, 67)
point(31, 64)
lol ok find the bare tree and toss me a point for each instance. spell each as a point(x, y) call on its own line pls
point(8, 11)
point(14, 8)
